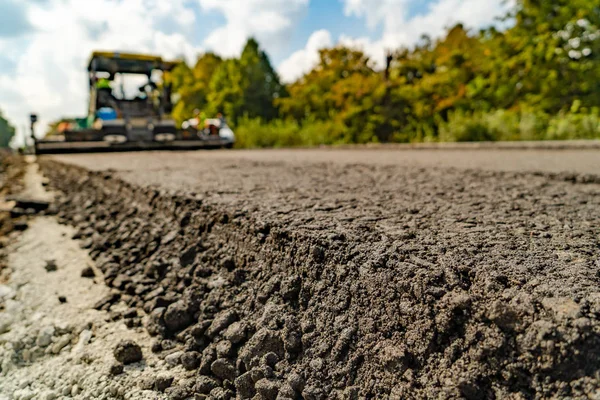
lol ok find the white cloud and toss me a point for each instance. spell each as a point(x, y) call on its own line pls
point(389, 12)
point(271, 22)
point(305, 59)
point(400, 30)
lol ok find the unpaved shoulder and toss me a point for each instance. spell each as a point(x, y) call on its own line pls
point(53, 343)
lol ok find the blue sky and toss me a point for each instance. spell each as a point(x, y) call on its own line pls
point(329, 15)
point(44, 44)
point(322, 14)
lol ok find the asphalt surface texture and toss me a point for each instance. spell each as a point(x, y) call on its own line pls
point(355, 273)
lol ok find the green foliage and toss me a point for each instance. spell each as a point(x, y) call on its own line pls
point(574, 126)
point(253, 132)
point(506, 125)
point(465, 127)
point(226, 90)
point(256, 133)
point(345, 89)
point(7, 131)
point(260, 83)
point(532, 125)
point(192, 86)
point(537, 79)
point(240, 87)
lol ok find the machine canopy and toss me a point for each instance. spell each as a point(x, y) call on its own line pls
point(127, 63)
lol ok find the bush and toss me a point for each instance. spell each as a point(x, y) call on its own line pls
point(316, 133)
point(574, 126)
point(255, 133)
point(417, 131)
point(460, 127)
point(533, 125)
point(466, 127)
point(524, 125)
point(503, 125)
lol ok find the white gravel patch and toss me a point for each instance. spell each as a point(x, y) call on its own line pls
point(53, 350)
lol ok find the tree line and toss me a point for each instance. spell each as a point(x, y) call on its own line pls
point(537, 79)
point(7, 131)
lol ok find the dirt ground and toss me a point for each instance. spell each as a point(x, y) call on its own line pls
point(50, 349)
point(353, 274)
point(54, 343)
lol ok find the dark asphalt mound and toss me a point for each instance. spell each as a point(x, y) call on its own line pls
point(489, 289)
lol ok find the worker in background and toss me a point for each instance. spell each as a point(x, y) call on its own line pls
point(222, 120)
point(103, 83)
point(105, 96)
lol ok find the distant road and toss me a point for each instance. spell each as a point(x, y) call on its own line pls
point(585, 161)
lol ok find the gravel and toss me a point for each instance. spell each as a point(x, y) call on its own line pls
point(128, 352)
point(50, 348)
point(51, 266)
point(48, 352)
point(88, 272)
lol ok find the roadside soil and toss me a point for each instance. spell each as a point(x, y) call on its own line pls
point(12, 169)
point(50, 349)
point(54, 342)
point(315, 275)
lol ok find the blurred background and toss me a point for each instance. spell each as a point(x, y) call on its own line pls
point(303, 73)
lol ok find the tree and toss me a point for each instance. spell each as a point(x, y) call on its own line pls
point(553, 50)
point(227, 91)
point(311, 96)
point(246, 87)
point(261, 83)
point(364, 104)
point(7, 132)
point(192, 85)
